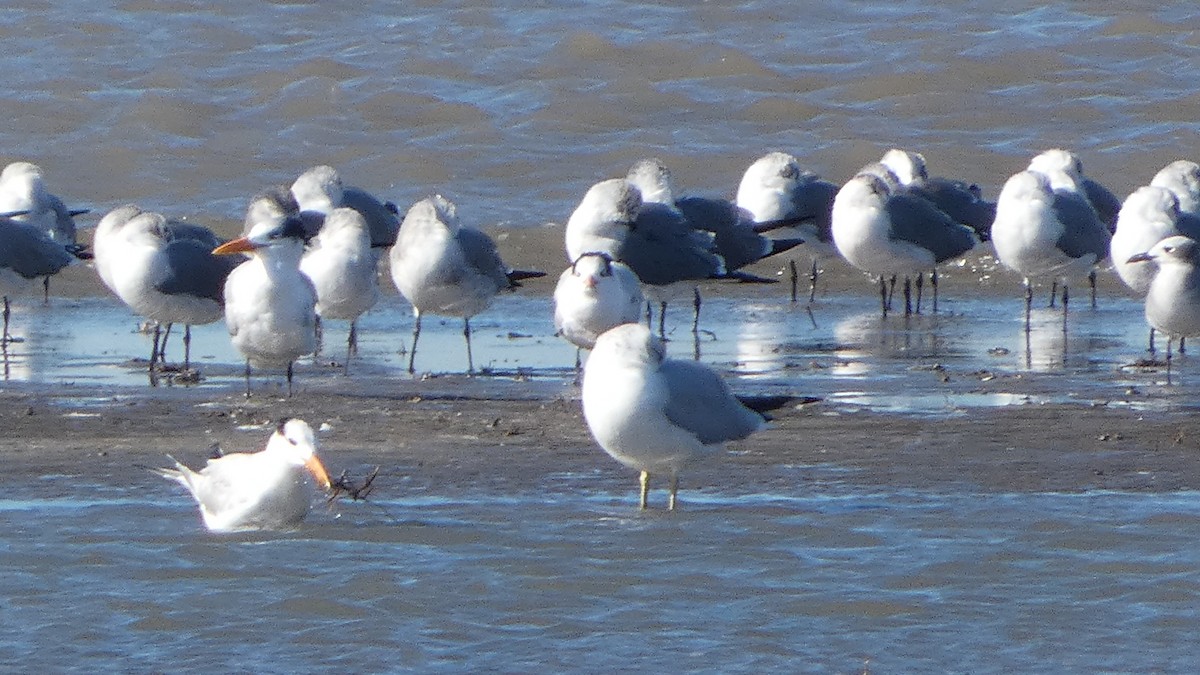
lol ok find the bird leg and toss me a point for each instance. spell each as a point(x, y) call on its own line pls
point(289, 379)
point(351, 346)
point(187, 347)
point(1092, 283)
point(247, 378)
point(1053, 292)
point(649, 315)
point(908, 296)
point(1028, 304)
point(883, 296)
point(1181, 340)
point(162, 348)
point(7, 313)
point(662, 320)
point(467, 336)
point(154, 354)
point(674, 490)
point(1151, 350)
point(1168, 359)
point(46, 291)
point(412, 353)
point(920, 289)
point(795, 277)
point(696, 310)
point(933, 281)
point(812, 283)
point(644, 481)
point(320, 339)
point(891, 291)
point(1066, 299)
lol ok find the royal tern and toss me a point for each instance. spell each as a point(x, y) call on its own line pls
point(444, 267)
point(270, 305)
point(266, 490)
point(342, 267)
point(657, 415)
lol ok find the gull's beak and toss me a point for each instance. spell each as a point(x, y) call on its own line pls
point(239, 245)
point(317, 469)
point(1140, 257)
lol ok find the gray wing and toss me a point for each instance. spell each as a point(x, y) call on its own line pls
point(813, 201)
point(193, 270)
point(918, 221)
point(735, 239)
point(175, 230)
point(960, 201)
point(1188, 225)
point(30, 253)
point(481, 253)
point(1083, 233)
point(1107, 204)
point(662, 248)
point(63, 231)
point(701, 403)
point(382, 222)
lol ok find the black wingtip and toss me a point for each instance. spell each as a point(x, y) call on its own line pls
point(744, 278)
point(520, 275)
point(765, 404)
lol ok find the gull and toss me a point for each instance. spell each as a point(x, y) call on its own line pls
point(1173, 299)
point(962, 201)
point(888, 233)
point(444, 267)
point(320, 190)
point(654, 240)
point(341, 266)
point(23, 193)
point(26, 254)
point(1064, 169)
point(657, 415)
point(593, 295)
point(1041, 231)
point(1148, 215)
point(270, 305)
point(163, 270)
point(1182, 178)
point(774, 190)
point(266, 490)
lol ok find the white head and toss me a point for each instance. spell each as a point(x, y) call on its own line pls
point(908, 167)
point(318, 189)
point(628, 344)
point(295, 440)
point(1172, 251)
point(1182, 177)
point(653, 179)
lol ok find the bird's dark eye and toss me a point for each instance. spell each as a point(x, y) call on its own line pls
point(1168, 249)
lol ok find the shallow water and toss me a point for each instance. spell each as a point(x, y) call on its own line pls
point(513, 111)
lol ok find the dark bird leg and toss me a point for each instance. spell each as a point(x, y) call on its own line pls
point(1092, 283)
point(1066, 299)
point(467, 336)
point(920, 289)
point(696, 309)
point(7, 338)
point(662, 320)
point(1028, 303)
point(187, 347)
point(891, 290)
point(933, 281)
point(1181, 341)
point(412, 353)
point(247, 378)
point(1151, 350)
point(320, 340)
point(812, 282)
point(1053, 292)
point(908, 296)
point(46, 291)
point(289, 378)
point(795, 278)
point(883, 296)
point(351, 345)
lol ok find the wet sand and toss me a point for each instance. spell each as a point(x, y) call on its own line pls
point(458, 434)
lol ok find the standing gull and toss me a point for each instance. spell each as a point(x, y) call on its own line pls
point(1182, 178)
point(1045, 232)
point(341, 266)
point(774, 190)
point(656, 415)
point(23, 192)
point(1148, 216)
point(266, 490)
point(1173, 300)
point(444, 267)
point(270, 305)
point(1064, 169)
point(889, 233)
point(962, 201)
point(26, 254)
point(164, 271)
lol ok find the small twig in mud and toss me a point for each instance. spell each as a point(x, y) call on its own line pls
point(343, 484)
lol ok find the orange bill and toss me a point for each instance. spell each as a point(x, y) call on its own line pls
point(239, 245)
point(317, 469)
